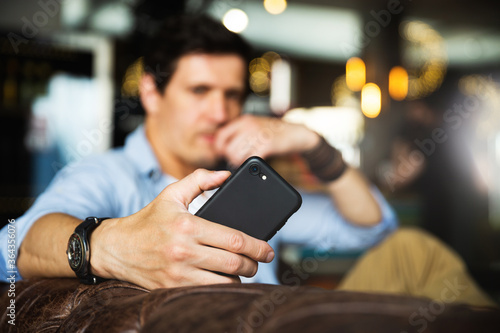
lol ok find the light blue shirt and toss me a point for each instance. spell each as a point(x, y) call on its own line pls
point(124, 180)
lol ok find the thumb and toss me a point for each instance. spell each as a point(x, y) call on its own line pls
point(185, 190)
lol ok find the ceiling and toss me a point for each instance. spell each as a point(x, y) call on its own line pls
point(321, 29)
point(315, 29)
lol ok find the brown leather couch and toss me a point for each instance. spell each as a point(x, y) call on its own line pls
point(65, 305)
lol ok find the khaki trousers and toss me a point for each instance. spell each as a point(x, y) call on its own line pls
point(413, 262)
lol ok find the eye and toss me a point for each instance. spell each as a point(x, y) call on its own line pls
point(234, 95)
point(199, 90)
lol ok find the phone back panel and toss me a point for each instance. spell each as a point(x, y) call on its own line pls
point(247, 202)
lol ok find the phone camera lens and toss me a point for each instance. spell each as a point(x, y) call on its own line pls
point(254, 169)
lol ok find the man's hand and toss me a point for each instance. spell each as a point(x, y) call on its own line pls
point(163, 245)
point(262, 136)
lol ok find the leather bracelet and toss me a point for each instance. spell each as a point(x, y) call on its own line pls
point(325, 162)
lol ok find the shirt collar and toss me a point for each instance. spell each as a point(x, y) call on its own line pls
point(138, 149)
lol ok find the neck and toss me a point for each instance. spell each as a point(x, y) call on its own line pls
point(169, 162)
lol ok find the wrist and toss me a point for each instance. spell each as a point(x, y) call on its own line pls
point(324, 161)
point(313, 139)
point(303, 138)
point(79, 250)
point(98, 243)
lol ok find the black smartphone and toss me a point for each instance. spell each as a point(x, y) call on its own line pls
point(255, 199)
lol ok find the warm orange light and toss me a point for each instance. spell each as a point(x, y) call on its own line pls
point(398, 83)
point(355, 73)
point(371, 100)
point(275, 7)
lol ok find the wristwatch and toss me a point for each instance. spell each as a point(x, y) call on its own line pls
point(79, 250)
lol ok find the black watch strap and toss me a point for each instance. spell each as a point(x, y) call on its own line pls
point(84, 231)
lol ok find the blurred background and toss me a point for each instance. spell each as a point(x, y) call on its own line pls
point(408, 90)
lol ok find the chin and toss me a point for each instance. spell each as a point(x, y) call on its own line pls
point(208, 162)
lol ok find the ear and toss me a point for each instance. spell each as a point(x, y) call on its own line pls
point(149, 94)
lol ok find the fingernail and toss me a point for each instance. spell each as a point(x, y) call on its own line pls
point(270, 257)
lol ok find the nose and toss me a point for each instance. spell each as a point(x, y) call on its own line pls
point(219, 111)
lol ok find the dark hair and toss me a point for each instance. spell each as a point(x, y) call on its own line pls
point(182, 35)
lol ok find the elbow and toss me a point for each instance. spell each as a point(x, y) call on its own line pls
point(367, 217)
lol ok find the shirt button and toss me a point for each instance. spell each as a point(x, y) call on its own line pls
point(154, 175)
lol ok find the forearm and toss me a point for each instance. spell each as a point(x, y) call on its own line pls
point(348, 188)
point(353, 198)
point(43, 251)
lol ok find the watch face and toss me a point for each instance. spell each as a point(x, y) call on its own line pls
point(75, 252)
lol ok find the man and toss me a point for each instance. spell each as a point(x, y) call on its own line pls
point(193, 120)
point(151, 187)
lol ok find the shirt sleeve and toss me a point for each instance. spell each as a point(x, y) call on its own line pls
point(319, 225)
point(80, 190)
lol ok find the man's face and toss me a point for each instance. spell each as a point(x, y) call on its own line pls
point(204, 93)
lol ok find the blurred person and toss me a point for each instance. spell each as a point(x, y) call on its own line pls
point(192, 91)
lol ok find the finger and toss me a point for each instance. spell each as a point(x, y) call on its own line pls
point(239, 149)
point(225, 134)
point(205, 277)
point(222, 261)
point(209, 277)
point(188, 188)
point(232, 240)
